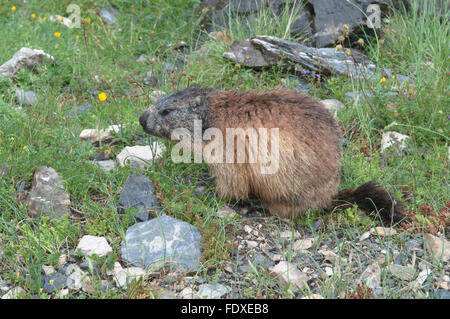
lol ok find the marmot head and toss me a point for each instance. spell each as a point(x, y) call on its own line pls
point(177, 110)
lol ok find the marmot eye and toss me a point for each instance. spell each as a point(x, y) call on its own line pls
point(165, 112)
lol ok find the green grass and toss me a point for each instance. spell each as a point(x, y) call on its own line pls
point(103, 58)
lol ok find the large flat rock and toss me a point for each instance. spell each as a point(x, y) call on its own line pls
point(163, 240)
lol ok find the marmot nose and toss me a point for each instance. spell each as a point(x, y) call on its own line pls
point(143, 119)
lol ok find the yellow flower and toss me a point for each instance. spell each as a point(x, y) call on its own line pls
point(88, 20)
point(11, 139)
point(348, 52)
point(57, 34)
point(382, 80)
point(13, 8)
point(102, 97)
point(341, 39)
point(361, 42)
point(339, 47)
point(440, 112)
point(25, 148)
point(33, 15)
point(77, 37)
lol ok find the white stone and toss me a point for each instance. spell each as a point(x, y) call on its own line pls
point(123, 276)
point(364, 236)
point(212, 291)
point(25, 57)
point(14, 293)
point(62, 260)
point(62, 293)
point(421, 277)
point(72, 268)
point(383, 231)
point(90, 245)
point(186, 293)
point(76, 279)
point(48, 270)
point(439, 247)
point(95, 136)
point(226, 212)
point(302, 245)
point(289, 275)
point(329, 255)
point(252, 243)
point(390, 138)
point(140, 155)
point(333, 106)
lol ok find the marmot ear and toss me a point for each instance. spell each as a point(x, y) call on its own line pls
point(195, 102)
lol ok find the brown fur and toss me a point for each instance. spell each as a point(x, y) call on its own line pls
point(308, 174)
point(309, 149)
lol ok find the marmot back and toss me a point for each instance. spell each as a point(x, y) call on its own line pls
point(309, 150)
point(309, 146)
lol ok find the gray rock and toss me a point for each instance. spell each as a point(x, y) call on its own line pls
point(331, 15)
point(243, 52)
point(322, 61)
point(245, 11)
point(54, 281)
point(441, 294)
point(160, 240)
point(106, 285)
point(303, 87)
point(24, 58)
point(244, 268)
point(26, 98)
point(413, 245)
point(47, 195)
point(402, 272)
point(110, 15)
point(319, 21)
point(3, 287)
point(138, 192)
